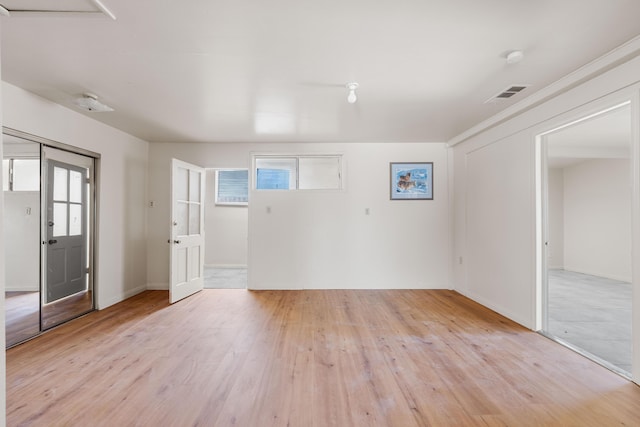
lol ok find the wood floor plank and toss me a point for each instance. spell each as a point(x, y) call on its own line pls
point(307, 358)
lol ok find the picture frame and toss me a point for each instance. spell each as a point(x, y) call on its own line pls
point(411, 181)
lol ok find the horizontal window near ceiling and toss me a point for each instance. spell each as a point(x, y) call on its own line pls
point(298, 172)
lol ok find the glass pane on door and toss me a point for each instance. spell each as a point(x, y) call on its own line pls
point(194, 218)
point(59, 219)
point(181, 184)
point(75, 187)
point(75, 220)
point(194, 186)
point(182, 218)
point(60, 184)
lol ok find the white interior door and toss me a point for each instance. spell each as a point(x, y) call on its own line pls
point(187, 230)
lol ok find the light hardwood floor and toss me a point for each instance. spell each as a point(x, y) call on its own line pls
point(307, 358)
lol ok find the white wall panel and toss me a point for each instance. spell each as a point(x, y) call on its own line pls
point(324, 239)
point(499, 205)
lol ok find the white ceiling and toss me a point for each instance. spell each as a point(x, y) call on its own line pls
point(240, 70)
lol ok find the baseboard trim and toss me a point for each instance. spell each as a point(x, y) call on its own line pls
point(500, 310)
point(101, 305)
point(158, 286)
point(226, 265)
point(35, 288)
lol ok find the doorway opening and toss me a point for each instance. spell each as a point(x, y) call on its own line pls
point(226, 227)
point(586, 237)
point(49, 194)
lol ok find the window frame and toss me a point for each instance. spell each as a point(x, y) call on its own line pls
point(215, 190)
point(297, 157)
point(10, 173)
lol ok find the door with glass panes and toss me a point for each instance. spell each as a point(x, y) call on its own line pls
point(66, 231)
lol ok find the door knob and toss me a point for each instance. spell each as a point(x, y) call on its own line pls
point(52, 241)
point(177, 242)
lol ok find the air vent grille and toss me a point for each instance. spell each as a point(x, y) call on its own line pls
point(507, 93)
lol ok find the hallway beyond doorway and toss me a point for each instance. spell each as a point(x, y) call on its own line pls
point(225, 278)
point(593, 314)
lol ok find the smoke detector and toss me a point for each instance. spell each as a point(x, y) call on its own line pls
point(514, 57)
point(90, 102)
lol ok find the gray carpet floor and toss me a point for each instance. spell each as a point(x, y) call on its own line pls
point(593, 314)
point(225, 278)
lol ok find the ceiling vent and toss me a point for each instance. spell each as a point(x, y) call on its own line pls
point(507, 93)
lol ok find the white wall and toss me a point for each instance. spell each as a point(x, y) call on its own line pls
point(226, 237)
point(597, 211)
point(499, 210)
point(324, 239)
point(555, 208)
point(121, 255)
point(494, 197)
point(22, 234)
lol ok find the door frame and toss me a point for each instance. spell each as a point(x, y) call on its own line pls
point(63, 158)
point(92, 203)
point(571, 118)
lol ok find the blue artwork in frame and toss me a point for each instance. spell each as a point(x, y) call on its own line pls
point(412, 181)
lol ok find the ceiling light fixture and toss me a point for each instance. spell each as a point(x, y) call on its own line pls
point(514, 57)
point(352, 98)
point(90, 102)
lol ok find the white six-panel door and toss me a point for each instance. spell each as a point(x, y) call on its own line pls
point(187, 230)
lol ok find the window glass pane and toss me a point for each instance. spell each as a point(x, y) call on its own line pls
point(75, 220)
point(59, 219)
point(60, 184)
point(5, 174)
point(181, 183)
point(182, 218)
point(232, 186)
point(194, 218)
point(75, 187)
point(318, 173)
point(26, 175)
point(272, 179)
point(194, 186)
point(276, 173)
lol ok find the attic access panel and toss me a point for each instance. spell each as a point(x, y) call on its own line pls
point(59, 7)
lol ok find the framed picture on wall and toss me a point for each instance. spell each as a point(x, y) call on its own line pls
point(411, 181)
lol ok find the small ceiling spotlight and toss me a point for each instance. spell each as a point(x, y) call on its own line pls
point(90, 102)
point(352, 98)
point(514, 56)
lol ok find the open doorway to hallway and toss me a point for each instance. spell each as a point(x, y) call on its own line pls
point(226, 229)
point(587, 297)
